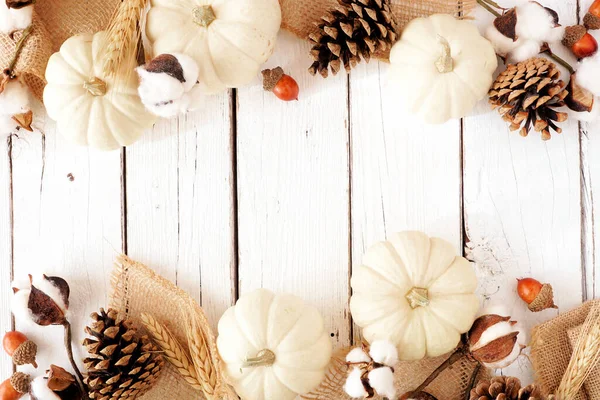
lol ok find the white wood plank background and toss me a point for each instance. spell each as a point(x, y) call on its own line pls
point(253, 192)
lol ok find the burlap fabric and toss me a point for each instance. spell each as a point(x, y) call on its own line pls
point(57, 20)
point(54, 22)
point(452, 384)
point(591, 387)
point(137, 290)
point(551, 351)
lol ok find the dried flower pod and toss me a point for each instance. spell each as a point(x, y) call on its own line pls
point(496, 341)
point(523, 31)
point(579, 99)
point(58, 385)
point(46, 302)
point(22, 350)
point(539, 296)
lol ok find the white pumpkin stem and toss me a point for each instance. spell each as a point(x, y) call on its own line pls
point(204, 15)
point(96, 86)
point(418, 297)
point(445, 63)
point(264, 358)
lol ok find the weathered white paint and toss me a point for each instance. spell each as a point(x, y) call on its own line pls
point(67, 213)
point(522, 208)
point(293, 189)
point(180, 203)
point(310, 186)
point(405, 175)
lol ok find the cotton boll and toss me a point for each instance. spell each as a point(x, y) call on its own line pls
point(534, 22)
point(588, 73)
point(164, 83)
point(384, 352)
point(357, 355)
point(525, 50)
point(41, 391)
point(382, 381)
point(15, 98)
point(354, 386)
point(15, 15)
point(502, 45)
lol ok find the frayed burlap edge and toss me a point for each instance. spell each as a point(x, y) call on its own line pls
point(551, 349)
point(136, 290)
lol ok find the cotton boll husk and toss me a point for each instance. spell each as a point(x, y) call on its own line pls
point(382, 381)
point(15, 98)
point(191, 72)
point(492, 333)
point(354, 387)
point(507, 361)
point(384, 352)
point(584, 116)
point(534, 22)
point(588, 74)
point(357, 355)
point(41, 391)
point(502, 45)
point(51, 290)
point(525, 50)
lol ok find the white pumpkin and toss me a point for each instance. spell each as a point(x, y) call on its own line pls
point(90, 108)
point(442, 66)
point(229, 39)
point(275, 347)
point(414, 292)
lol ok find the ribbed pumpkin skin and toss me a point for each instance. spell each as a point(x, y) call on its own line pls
point(230, 50)
point(390, 272)
point(283, 324)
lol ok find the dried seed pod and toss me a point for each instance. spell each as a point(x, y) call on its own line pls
point(495, 341)
point(538, 296)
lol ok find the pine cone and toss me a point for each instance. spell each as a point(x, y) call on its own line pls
point(122, 364)
point(354, 29)
point(526, 95)
point(505, 388)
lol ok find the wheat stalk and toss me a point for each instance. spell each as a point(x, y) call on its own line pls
point(123, 36)
point(202, 358)
point(584, 358)
point(173, 351)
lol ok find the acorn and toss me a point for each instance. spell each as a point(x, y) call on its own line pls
point(22, 350)
point(283, 86)
point(581, 43)
point(15, 387)
point(538, 296)
point(592, 18)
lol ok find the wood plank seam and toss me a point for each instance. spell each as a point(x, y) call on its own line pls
point(235, 251)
